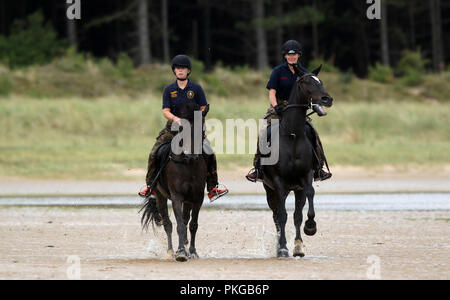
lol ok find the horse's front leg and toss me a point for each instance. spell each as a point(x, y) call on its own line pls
point(193, 226)
point(281, 216)
point(300, 200)
point(187, 207)
point(181, 254)
point(310, 225)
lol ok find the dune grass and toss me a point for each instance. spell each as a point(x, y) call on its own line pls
point(82, 118)
point(72, 138)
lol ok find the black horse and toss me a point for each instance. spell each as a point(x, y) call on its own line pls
point(183, 181)
point(294, 169)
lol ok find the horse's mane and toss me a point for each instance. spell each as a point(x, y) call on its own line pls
point(297, 94)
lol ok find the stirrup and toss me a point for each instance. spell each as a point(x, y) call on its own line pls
point(216, 195)
point(147, 192)
point(322, 175)
point(258, 178)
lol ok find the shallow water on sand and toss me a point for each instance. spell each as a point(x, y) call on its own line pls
point(334, 202)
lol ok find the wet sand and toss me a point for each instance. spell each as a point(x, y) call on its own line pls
point(48, 243)
point(384, 179)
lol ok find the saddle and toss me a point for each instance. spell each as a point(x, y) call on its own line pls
point(311, 134)
point(163, 155)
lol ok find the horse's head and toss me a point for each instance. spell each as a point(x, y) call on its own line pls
point(312, 87)
point(188, 110)
point(188, 113)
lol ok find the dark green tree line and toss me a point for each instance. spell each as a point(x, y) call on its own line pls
point(237, 32)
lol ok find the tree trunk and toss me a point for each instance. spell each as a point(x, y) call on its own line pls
point(3, 19)
point(144, 33)
point(207, 47)
point(165, 30)
point(436, 36)
point(261, 41)
point(412, 25)
point(279, 30)
point(384, 35)
point(315, 34)
point(72, 33)
point(195, 38)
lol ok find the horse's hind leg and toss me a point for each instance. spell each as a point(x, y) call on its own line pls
point(300, 200)
point(181, 254)
point(310, 225)
point(164, 211)
point(193, 226)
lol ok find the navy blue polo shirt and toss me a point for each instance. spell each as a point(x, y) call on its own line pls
point(174, 97)
point(282, 80)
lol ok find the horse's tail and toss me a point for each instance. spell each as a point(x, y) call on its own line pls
point(150, 214)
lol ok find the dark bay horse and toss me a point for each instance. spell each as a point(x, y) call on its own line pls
point(182, 181)
point(294, 169)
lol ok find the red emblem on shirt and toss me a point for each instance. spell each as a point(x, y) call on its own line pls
point(284, 78)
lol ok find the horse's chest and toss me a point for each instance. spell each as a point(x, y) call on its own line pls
point(292, 169)
point(295, 163)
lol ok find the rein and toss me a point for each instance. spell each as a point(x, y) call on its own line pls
point(295, 105)
point(309, 105)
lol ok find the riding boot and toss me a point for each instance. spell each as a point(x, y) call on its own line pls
point(212, 182)
point(211, 169)
point(164, 136)
point(145, 192)
point(319, 155)
point(256, 173)
point(320, 174)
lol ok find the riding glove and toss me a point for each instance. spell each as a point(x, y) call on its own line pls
point(278, 109)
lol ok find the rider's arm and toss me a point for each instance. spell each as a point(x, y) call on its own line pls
point(272, 86)
point(272, 97)
point(201, 98)
point(169, 116)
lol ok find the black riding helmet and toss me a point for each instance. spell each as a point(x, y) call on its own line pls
point(181, 61)
point(291, 47)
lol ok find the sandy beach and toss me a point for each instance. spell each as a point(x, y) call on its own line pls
point(95, 243)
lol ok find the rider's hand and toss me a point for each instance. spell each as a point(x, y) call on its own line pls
point(278, 109)
point(176, 120)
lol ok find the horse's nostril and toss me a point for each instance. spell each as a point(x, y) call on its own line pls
point(327, 99)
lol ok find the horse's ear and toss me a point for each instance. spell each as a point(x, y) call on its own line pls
point(317, 71)
point(297, 70)
point(205, 111)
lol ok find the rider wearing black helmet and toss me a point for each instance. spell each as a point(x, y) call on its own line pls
point(280, 84)
point(175, 96)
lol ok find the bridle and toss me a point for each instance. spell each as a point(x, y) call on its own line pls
point(305, 105)
point(185, 158)
point(295, 105)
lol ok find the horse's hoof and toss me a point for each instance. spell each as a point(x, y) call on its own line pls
point(310, 228)
point(283, 253)
point(194, 255)
point(181, 256)
point(169, 254)
point(299, 250)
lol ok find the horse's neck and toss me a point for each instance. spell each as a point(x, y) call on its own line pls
point(293, 122)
